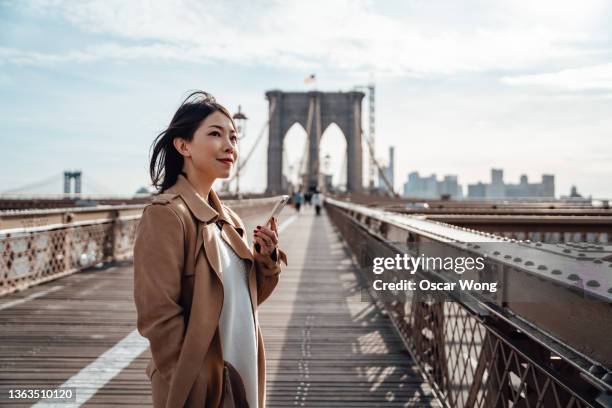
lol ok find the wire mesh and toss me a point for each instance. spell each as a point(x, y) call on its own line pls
point(469, 360)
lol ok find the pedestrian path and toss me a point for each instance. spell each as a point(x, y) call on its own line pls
point(325, 347)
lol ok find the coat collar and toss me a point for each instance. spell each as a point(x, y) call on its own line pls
point(207, 211)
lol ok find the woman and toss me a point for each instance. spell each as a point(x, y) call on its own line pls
point(197, 283)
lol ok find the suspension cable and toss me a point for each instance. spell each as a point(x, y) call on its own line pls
point(380, 170)
point(259, 137)
point(307, 144)
point(34, 185)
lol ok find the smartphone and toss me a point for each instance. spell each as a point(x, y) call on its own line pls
point(278, 207)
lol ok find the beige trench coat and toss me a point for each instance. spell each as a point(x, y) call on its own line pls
point(178, 292)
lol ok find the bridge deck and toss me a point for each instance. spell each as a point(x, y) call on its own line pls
point(325, 347)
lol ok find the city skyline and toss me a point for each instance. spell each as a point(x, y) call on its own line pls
point(418, 186)
point(460, 88)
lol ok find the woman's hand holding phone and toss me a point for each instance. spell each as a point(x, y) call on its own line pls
point(266, 239)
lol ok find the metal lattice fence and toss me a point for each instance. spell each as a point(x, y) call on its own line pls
point(471, 359)
point(39, 254)
point(74, 239)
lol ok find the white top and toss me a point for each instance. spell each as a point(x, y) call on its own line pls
point(236, 325)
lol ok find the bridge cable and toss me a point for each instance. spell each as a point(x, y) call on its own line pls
point(380, 170)
point(34, 185)
point(96, 187)
point(317, 159)
point(307, 144)
point(259, 137)
point(342, 177)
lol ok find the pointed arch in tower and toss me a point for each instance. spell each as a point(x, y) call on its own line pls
point(315, 111)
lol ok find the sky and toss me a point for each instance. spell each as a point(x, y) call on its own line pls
point(461, 86)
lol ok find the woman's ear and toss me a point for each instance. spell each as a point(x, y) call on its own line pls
point(180, 145)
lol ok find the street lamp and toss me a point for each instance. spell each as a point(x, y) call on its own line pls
point(240, 120)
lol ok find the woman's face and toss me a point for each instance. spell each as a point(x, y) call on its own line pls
point(213, 148)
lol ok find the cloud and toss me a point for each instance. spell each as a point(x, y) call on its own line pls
point(596, 77)
point(420, 40)
point(19, 57)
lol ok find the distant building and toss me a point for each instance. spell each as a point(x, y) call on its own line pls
point(497, 188)
point(478, 190)
point(576, 197)
point(450, 186)
point(574, 193)
point(430, 187)
point(388, 171)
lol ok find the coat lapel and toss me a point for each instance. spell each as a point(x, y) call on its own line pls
point(208, 211)
point(230, 235)
point(211, 249)
point(198, 206)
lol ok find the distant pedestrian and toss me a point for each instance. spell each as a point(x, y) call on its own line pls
point(299, 199)
point(317, 200)
point(307, 197)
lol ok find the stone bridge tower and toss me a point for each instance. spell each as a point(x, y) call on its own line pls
point(314, 111)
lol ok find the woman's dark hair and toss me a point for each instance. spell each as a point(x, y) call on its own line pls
point(166, 162)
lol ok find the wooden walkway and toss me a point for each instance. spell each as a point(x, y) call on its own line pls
point(325, 347)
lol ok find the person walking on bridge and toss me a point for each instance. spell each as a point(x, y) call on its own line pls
point(298, 198)
point(317, 200)
point(197, 281)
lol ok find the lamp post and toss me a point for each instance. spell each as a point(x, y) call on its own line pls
point(240, 120)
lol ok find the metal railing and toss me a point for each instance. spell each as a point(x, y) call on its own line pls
point(474, 353)
point(42, 245)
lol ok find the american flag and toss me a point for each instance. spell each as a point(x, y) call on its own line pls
point(310, 79)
